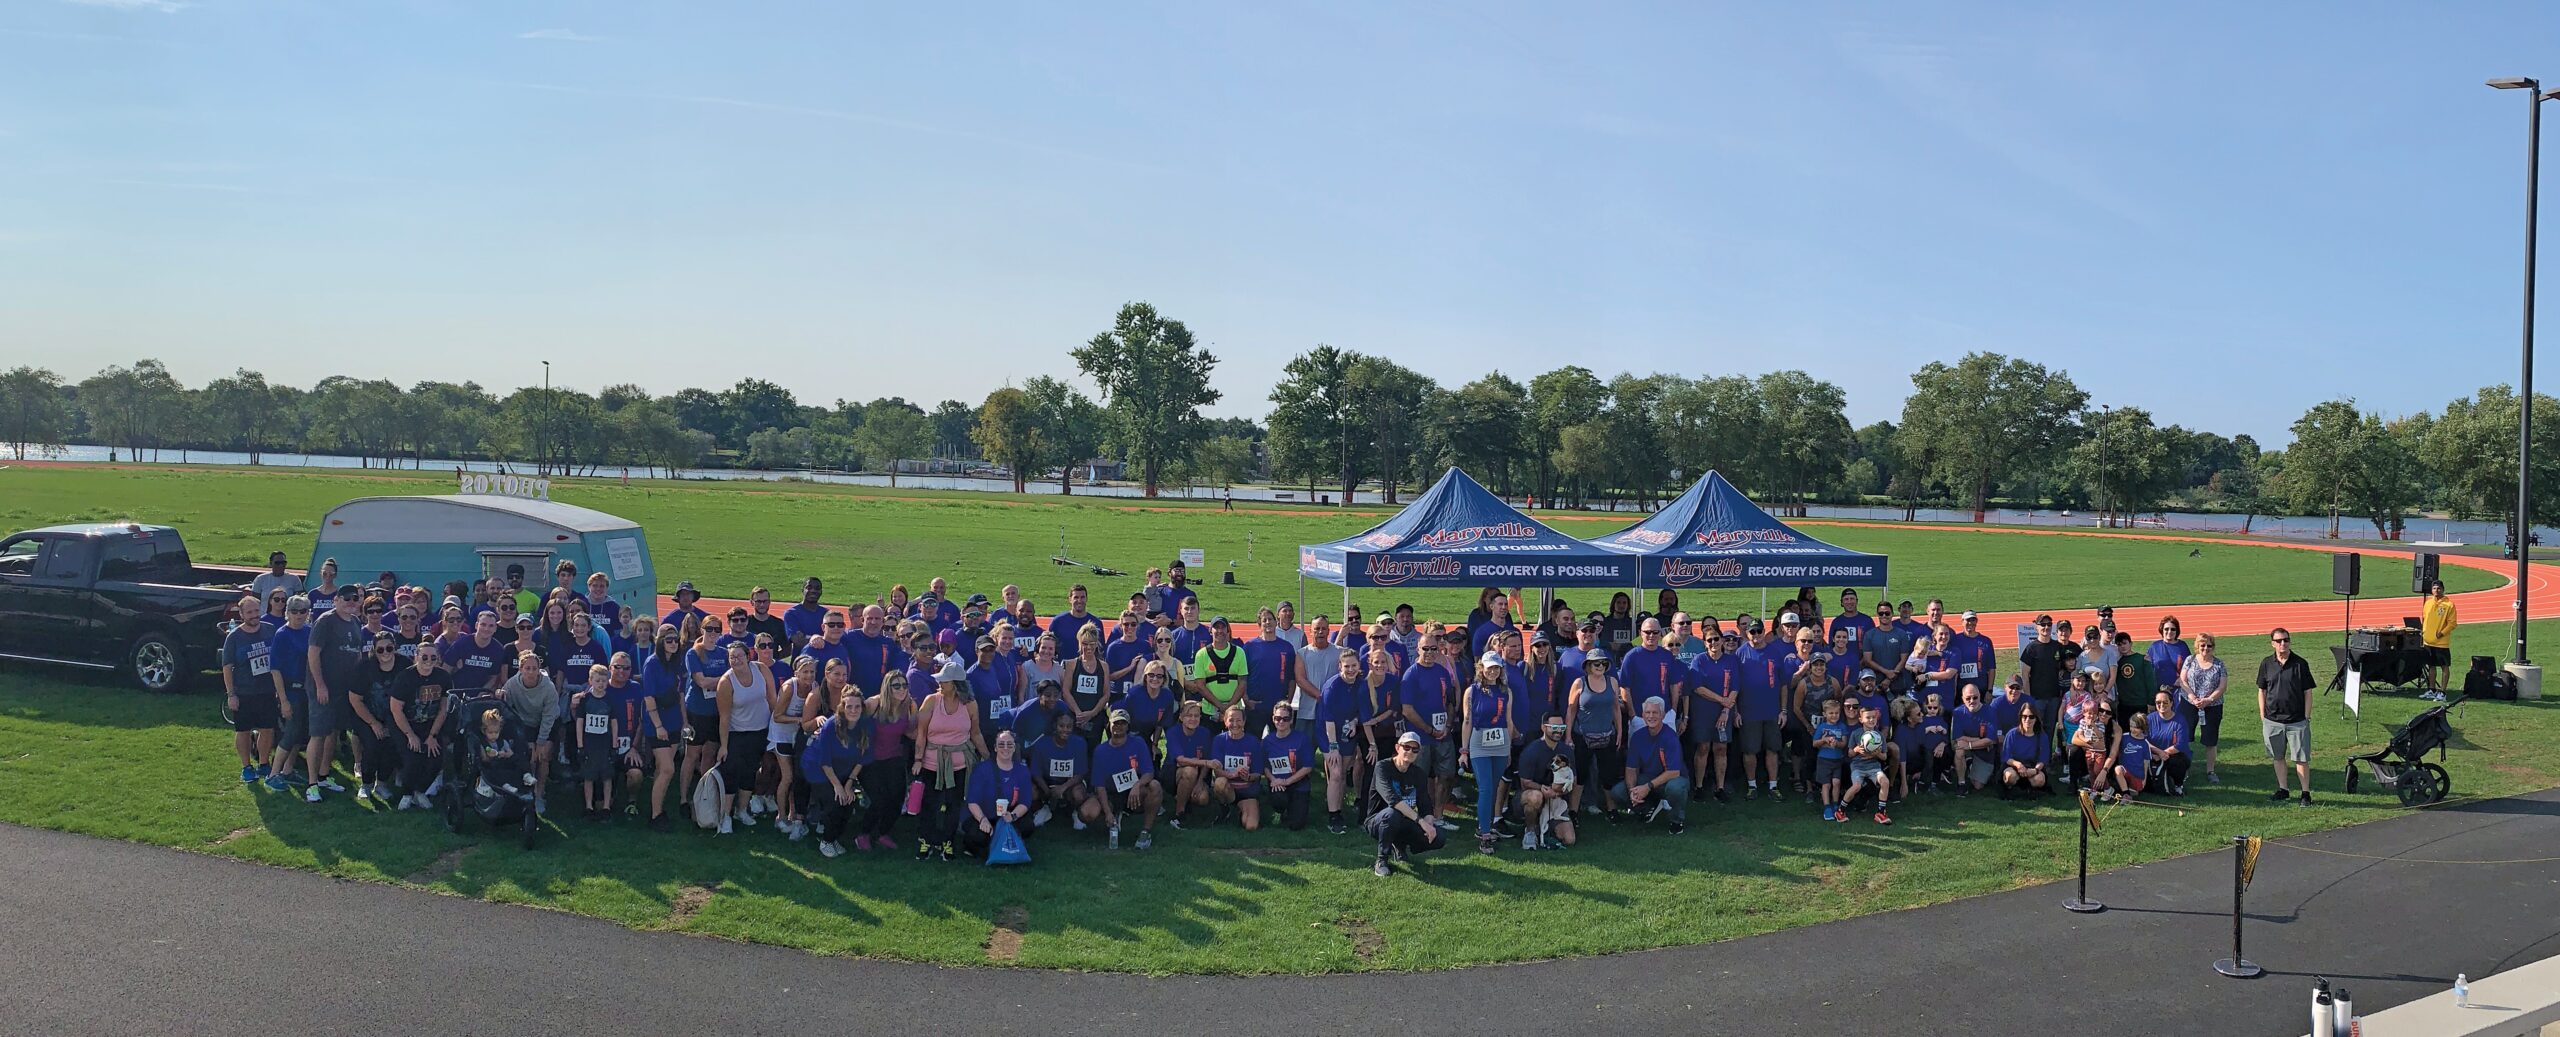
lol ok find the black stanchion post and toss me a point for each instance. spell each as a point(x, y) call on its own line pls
point(2236, 966)
point(2081, 903)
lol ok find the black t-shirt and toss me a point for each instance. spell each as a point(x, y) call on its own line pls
point(377, 684)
point(342, 643)
point(1538, 761)
point(772, 628)
point(419, 696)
point(2045, 665)
point(2287, 685)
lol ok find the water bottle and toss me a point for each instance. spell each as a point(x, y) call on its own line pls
point(2461, 991)
point(2323, 1014)
point(2345, 1011)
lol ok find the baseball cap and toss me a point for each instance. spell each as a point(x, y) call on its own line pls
point(1868, 675)
point(1119, 716)
point(347, 590)
point(1538, 638)
point(977, 599)
point(1408, 738)
point(515, 570)
point(2042, 619)
point(1489, 659)
point(1970, 615)
point(1047, 685)
point(1789, 619)
point(451, 602)
point(524, 620)
point(985, 642)
point(948, 636)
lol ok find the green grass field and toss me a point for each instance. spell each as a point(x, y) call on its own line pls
point(92, 757)
point(95, 758)
point(728, 537)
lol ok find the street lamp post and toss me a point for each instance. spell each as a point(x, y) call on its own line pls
point(2534, 96)
point(542, 437)
point(2106, 501)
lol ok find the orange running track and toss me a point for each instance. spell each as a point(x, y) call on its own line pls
point(2496, 605)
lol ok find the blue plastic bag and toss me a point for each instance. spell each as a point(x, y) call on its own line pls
point(1007, 847)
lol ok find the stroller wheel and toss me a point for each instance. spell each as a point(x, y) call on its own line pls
point(2442, 782)
point(2423, 783)
point(452, 798)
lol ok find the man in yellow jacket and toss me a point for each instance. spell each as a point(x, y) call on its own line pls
point(2435, 628)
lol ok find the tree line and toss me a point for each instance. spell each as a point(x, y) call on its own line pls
point(1974, 434)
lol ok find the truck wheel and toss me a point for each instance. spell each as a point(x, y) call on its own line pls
point(158, 662)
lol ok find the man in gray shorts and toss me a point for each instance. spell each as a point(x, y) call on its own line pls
point(2284, 718)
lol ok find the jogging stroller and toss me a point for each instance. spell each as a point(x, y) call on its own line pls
point(502, 800)
point(2402, 765)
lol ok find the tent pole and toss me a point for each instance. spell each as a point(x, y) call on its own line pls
point(1302, 591)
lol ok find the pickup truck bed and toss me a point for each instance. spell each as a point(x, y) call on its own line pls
point(115, 597)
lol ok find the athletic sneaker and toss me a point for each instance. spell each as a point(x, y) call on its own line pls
point(2306, 797)
point(1445, 824)
point(662, 823)
point(885, 843)
point(1659, 805)
point(795, 829)
point(924, 850)
point(1751, 792)
point(2212, 777)
point(1722, 796)
point(1146, 838)
point(248, 775)
point(332, 785)
point(2280, 795)
point(265, 770)
point(1381, 869)
point(1828, 810)
point(1114, 841)
point(1882, 819)
point(829, 849)
point(1842, 816)
point(747, 817)
point(1484, 844)
point(1333, 823)
point(1040, 818)
point(946, 853)
point(1528, 840)
point(724, 825)
point(364, 793)
point(1078, 822)
point(1678, 827)
point(311, 794)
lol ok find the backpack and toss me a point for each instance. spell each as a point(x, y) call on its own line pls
point(710, 799)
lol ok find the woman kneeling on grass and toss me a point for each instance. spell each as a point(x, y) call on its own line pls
point(833, 763)
point(2026, 758)
point(999, 790)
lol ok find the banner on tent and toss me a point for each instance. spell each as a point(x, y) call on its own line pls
point(1692, 572)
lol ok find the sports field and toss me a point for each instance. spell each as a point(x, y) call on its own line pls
point(728, 537)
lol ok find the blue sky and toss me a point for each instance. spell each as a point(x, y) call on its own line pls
point(2221, 212)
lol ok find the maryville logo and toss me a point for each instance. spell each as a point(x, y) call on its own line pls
point(1727, 538)
point(1319, 563)
point(1448, 539)
point(1681, 572)
point(1388, 572)
point(1381, 541)
point(1645, 537)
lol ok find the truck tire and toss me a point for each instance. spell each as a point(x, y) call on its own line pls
point(157, 662)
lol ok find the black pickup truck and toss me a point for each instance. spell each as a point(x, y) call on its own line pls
point(115, 596)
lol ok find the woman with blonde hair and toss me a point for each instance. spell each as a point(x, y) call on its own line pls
point(885, 774)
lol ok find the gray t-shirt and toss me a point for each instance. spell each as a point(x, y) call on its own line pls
point(1321, 664)
point(268, 582)
point(342, 644)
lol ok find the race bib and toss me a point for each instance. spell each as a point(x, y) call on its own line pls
point(1281, 768)
point(621, 746)
point(1493, 738)
point(1969, 671)
point(1062, 768)
point(597, 723)
point(1237, 763)
point(1088, 684)
point(1439, 721)
point(1125, 780)
point(998, 704)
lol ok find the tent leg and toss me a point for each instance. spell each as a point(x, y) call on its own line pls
point(1764, 603)
point(1302, 593)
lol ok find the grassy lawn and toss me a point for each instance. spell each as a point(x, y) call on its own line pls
point(727, 537)
point(94, 758)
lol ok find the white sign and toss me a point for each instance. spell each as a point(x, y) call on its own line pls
point(504, 485)
point(623, 553)
point(2355, 692)
point(1193, 556)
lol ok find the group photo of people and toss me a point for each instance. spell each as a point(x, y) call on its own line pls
point(925, 722)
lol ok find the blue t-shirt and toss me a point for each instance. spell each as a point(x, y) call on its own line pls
point(1971, 722)
point(1651, 752)
point(1764, 672)
point(1174, 597)
point(1053, 760)
point(804, 621)
point(2169, 732)
point(1856, 621)
point(1067, 627)
point(289, 651)
point(825, 653)
point(1118, 653)
point(2004, 711)
point(836, 746)
point(675, 617)
point(1975, 661)
point(872, 658)
point(2135, 755)
point(1489, 709)
point(1270, 670)
point(1933, 733)
point(1130, 754)
point(2023, 747)
point(1148, 712)
point(665, 686)
point(1284, 755)
point(1193, 743)
point(1029, 722)
point(1651, 673)
point(988, 783)
point(1829, 729)
point(1722, 676)
point(1187, 643)
point(714, 666)
point(994, 696)
point(1232, 751)
point(1426, 690)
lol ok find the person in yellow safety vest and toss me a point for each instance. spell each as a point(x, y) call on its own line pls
point(2435, 629)
point(1217, 671)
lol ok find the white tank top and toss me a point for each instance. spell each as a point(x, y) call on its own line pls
point(750, 708)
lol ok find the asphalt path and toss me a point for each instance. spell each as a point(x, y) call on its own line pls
point(116, 938)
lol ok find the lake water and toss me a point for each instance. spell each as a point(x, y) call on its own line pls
point(2301, 527)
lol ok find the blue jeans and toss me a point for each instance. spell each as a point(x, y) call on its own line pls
point(1488, 771)
point(1673, 793)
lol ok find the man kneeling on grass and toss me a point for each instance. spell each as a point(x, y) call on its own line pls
point(1400, 827)
point(1548, 793)
point(1655, 781)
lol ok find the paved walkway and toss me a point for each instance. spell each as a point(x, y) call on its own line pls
point(117, 938)
point(2494, 604)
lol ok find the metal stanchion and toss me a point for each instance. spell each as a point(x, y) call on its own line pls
point(2088, 822)
point(2244, 862)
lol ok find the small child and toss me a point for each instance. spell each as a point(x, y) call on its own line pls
point(1830, 746)
point(2133, 758)
point(1938, 761)
point(1866, 761)
point(504, 765)
point(597, 729)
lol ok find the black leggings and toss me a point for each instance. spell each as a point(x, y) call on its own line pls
point(944, 810)
point(827, 815)
point(746, 757)
point(884, 786)
point(417, 769)
point(1290, 804)
point(1602, 766)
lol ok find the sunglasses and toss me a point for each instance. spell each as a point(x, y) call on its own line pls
point(2280, 640)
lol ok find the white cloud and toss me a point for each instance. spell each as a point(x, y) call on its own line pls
point(563, 35)
point(162, 6)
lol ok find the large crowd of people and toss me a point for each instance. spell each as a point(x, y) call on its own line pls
point(927, 720)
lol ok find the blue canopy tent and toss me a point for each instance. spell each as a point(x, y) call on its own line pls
point(1458, 534)
point(1713, 536)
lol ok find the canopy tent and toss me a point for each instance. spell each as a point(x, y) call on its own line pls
point(1458, 534)
point(1713, 536)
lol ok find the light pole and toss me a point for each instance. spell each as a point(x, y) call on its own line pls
point(2534, 96)
point(2106, 503)
point(542, 439)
